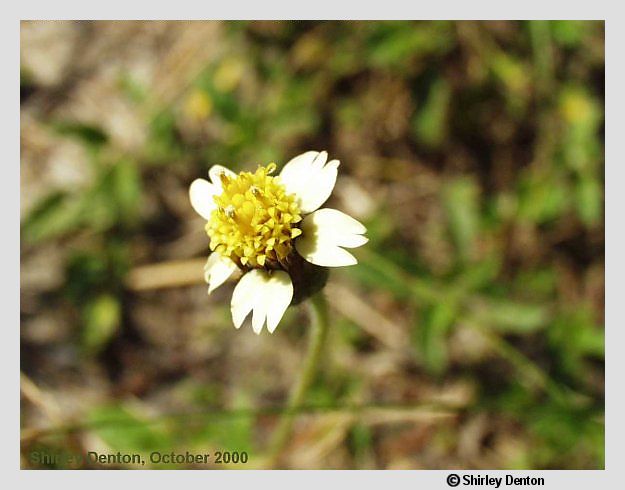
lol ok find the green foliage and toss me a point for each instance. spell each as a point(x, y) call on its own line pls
point(112, 201)
point(432, 336)
point(510, 316)
point(88, 134)
point(123, 430)
point(101, 322)
point(480, 146)
point(225, 433)
point(460, 198)
point(394, 44)
point(430, 123)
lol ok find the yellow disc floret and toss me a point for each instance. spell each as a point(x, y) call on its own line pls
point(255, 220)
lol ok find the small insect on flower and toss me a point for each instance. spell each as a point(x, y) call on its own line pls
point(271, 229)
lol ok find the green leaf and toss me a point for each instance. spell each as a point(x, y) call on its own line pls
point(125, 431)
point(430, 123)
point(126, 190)
point(461, 201)
point(431, 335)
point(361, 438)
point(590, 200)
point(511, 317)
point(569, 32)
point(574, 336)
point(392, 43)
point(543, 196)
point(87, 133)
point(515, 76)
point(230, 432)
point(101, 321)
point(56, 214)
point(582, 115)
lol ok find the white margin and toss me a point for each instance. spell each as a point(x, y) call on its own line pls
point(322, 9)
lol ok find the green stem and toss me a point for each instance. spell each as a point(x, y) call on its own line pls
point(318, 333)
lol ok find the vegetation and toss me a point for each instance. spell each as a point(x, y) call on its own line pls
point(471, 333)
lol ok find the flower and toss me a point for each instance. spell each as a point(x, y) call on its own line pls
point(263, 225)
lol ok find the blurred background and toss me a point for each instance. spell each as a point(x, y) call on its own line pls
point(470, 335)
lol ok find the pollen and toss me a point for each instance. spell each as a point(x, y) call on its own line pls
point(255, 221)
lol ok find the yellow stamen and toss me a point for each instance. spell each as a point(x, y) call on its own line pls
point(255, 220)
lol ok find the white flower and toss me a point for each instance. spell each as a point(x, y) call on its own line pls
point(256, 222)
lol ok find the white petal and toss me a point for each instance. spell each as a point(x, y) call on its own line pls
point(281, 291)
point(259, 313)
point(201, 194)
point(349, 241)
point(266, 294)
point(324, 232)
point(324, 254)
point(303, 160)
point(335, 221)
point(243, 298)
point(216, 170)
point(310, 179)
point(217, 270)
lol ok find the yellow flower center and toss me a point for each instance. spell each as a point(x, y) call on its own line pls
point(255, 219)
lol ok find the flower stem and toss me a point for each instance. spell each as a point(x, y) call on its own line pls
point(318, 333)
